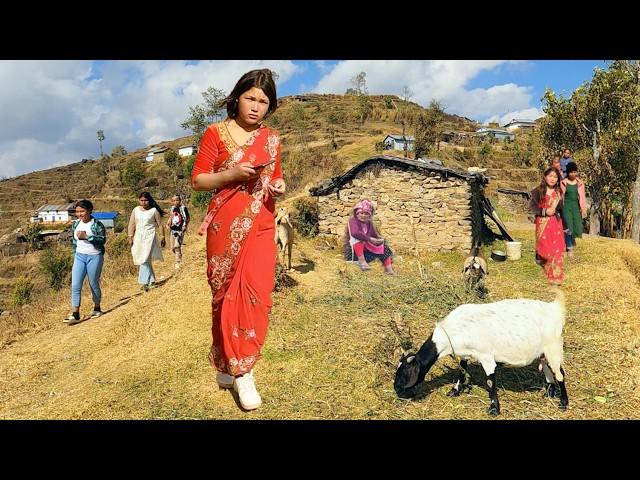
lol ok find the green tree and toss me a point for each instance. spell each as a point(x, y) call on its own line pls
point(201, 116)
point(132, 174)
point(118, 151)
point(188, 166)
point(586, 122)
point(629, 128)
point(364, 108)
point(427, 129)
point(100, 139)
point(32, 235)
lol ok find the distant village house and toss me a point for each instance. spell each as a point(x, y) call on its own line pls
point(156, 153)
point(398, 142)
point(56, 213)
point(497, 133)
point(108, 219)
point(187, 150)
point(520, 124)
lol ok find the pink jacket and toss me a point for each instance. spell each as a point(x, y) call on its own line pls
point(582, 197)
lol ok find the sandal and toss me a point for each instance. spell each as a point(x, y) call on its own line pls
point(364, 267)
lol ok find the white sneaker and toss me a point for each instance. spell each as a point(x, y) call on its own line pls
point(246, 388)
point(224, 380)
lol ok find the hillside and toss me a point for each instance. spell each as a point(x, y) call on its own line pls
point(315, 115)
point(322, 137)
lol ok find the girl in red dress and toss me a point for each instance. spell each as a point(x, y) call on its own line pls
point(546, 204)
point(239, 159)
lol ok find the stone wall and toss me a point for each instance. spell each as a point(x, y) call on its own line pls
point(513, 203)
point(441, 215)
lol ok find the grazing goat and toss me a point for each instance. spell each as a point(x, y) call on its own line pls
point(512, 332)
point(284, 235)
point(474, 270)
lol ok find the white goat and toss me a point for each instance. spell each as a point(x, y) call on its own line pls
point(513, 332)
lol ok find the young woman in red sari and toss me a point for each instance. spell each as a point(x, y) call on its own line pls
point(239, 159)
point(546, 204)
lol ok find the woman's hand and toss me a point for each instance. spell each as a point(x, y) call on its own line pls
point(550, 212)
point(242, 172)
point(377, 241)
point(277, 188)
point(82, 235)
point(130, 241)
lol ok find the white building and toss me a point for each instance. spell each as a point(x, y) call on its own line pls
point(515, 124)
point(187, 150)
point(156, 153)
point(57, 213)
point(397, 142)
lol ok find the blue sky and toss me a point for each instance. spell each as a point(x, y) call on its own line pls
point(51, 110)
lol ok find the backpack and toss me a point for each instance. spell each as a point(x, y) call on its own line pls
point(177, 218)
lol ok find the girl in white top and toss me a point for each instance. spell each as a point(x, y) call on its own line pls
point(143, 240)
point(89, 236)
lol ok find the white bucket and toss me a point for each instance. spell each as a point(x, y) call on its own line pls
point(513, 250)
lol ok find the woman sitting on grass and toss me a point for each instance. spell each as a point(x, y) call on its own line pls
point(363, 242)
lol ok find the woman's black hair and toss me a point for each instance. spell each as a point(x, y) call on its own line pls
point(86, 204)
point(572, 167)
point(262, 79)
point(152, 202)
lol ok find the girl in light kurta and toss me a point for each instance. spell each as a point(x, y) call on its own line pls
point(143, 240)
point(239, 159)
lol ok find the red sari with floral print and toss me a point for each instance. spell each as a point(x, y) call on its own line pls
point(241, 252)
point(550, 240)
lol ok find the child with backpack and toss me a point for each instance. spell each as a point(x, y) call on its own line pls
point(177, 223)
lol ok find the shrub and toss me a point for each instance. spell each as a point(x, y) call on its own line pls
point(118, 244)
point(201, 199)
point(306, 216)
point(22, 291)
point(56, 266)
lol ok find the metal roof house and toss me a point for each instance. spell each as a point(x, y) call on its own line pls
point(398, 142)
point(108, 219)
point(516, 124)
point(56, 213)
point(497, 133)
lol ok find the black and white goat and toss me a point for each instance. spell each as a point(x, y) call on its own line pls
point(512, 332)
point(474, 270)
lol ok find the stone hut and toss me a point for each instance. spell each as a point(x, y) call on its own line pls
point(417, 202)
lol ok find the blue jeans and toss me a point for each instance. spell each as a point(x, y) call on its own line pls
point(84, 265)
point(145, 273)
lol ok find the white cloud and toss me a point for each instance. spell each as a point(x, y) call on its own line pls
point(442, 80)
point(50, 111)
